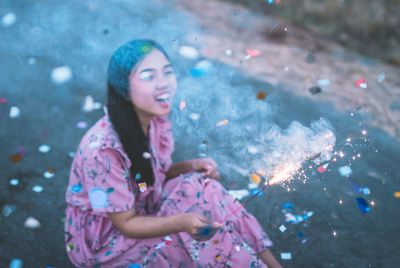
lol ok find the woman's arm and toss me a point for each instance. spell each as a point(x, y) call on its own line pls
point(179, 168)
point(207, 166)
point(133, 226)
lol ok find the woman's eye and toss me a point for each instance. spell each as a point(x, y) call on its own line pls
point(146, 76)
point(169, 72)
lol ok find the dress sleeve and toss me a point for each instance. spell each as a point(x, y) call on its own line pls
point(107, 181)
point(166, 143)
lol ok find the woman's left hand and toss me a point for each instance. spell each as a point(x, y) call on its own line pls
point(206, 166)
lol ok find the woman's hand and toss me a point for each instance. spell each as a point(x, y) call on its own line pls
point(207, 166)
point(197, 226)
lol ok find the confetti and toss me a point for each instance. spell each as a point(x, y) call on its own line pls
point(256, 191)
point(322, 168)
point(3, 100)
point(138, 176)
point(323, 82)
point(81, 124)
point(194, 116)
point(366, 191)
point(182, 105)
point(76, 188)
point(381, 77)
point(261, 95)
point(16, 158)
point(37, 188)
point(8, 19)
point(14, 112)
point(228, 52)
point(218, 256)
point(203, 67)
point(16, 263)
point(286, 256)
point(270, 1)
point(188, 52)
point(282, 228)
point(253, 53)
point(255, 178)
point(363, 204)
point(70, 247)
point(208, 181)
point(14, 182)
point(44, 148)
point(361, 83)
point(397, 194)
point(252, 149)
point(239, 194)
point(61, 75)
point(90, 105)
point(206, 231)
point(308, 79)
point(32, 223)
point(8, 210)
point(314, 90)
point(31, 61)
point(345, 171)
point(21, 150)
point(146, 155)
point(221, 123)
point(143, 187)
point(286, 68)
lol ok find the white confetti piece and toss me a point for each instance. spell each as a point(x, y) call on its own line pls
point(252, 149)
point(228, 52)
point(282, 228)
point(89, 104)
point(381, 77)
point(239, 194)
point(345, 171)
point(188, 52)
point(14, 112)
point(323, 82)
point(37, 188)
point(81, 124)
point(8, 19)
point(14, 182)
point(48, 175)
point(44, 148)
point(146, 155)
point(194, 116)
point(286, 256)
point(61, 74)
point(32, 223)
point(8, 209)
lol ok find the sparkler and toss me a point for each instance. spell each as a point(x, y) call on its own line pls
point(281, 176)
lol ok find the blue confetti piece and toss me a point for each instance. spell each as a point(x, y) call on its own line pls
point(255, 191)
point(366, 190)
point(76, 188)
point(345, 171)
point(137, 176)
point(206, 231)
point(270, 1)
point(134, 266)
point(363, 204)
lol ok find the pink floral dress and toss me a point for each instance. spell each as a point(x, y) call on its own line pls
point(100, 182)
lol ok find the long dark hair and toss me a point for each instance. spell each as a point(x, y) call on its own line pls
point(120, 108)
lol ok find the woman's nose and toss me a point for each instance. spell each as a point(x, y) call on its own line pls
point(162, 82)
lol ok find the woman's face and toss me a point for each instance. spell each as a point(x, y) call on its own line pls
point(153, 85)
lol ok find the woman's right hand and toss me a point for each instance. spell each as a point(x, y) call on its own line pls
point(192, 223)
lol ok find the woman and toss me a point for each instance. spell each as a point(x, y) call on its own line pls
point(129, 205)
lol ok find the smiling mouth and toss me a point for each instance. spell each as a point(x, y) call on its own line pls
point(164, 98)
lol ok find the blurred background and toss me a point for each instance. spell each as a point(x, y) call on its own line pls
point(282, 73)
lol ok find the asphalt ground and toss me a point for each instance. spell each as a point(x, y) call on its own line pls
point(83, 35)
